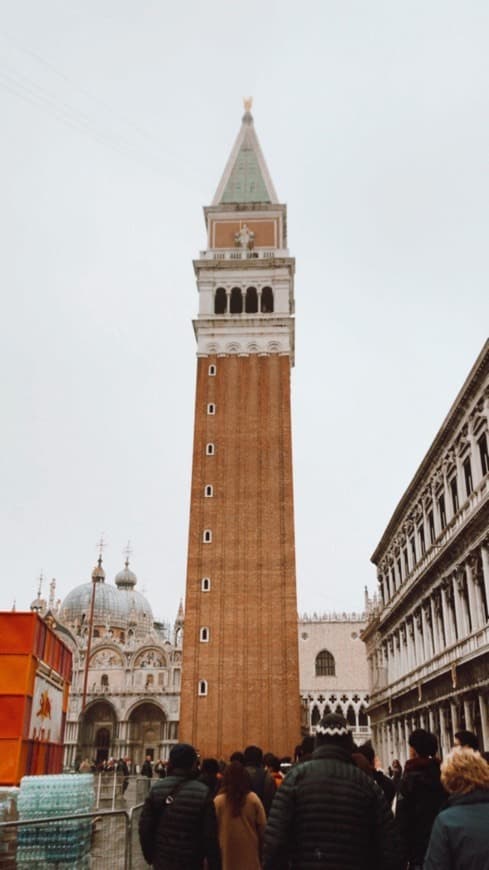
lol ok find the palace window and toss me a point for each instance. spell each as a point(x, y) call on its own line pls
point(442, 511)
point(202, 688)
point(412, 544)
point(220, 301)
point(236, 301)
point(267, 300)
point(205, 584)
point(207, 536)
point(210, 450)
point(431, 526)
point(484, 453)
point(406, 563)
point(204, 634)
point(208, 491)
point(422, 540)
point(211, 408)
point(212, 370)
point(454, 493)
point(469, 486)
point(104, 681)
point(325, 664)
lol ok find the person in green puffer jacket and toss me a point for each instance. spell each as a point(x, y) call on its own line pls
point(459, 838)
point(178, 825)
point(328, 814)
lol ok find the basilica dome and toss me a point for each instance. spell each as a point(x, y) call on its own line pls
point(117, 606)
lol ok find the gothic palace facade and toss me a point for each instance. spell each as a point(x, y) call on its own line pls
point(427, 638)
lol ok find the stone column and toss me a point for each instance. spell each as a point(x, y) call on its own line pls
point(228, 300)
point(475, 457)
point(460, 480)
point(485, 567)
point(446, 614)
point(436, 518)
point(444, 746)
point(469, 722)
point(447, 494)
point(418, 638)
point(474, 593)
point(455, 718)
point(431, 720)
point(483, 701)
point(428, 651)
point(461, 604)
point(437, 644)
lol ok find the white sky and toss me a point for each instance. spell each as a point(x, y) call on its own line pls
point(117, 118)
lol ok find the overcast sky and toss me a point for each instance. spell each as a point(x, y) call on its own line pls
point(117, 119)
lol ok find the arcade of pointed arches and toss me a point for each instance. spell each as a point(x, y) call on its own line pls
point(351, 705)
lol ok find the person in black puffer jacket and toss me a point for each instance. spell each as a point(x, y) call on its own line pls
point(178, 826)
point(420, 797)
point(328, 814)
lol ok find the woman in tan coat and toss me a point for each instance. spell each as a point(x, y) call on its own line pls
point(241, 820)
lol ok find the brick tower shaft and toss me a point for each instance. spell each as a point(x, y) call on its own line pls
point(240, 682)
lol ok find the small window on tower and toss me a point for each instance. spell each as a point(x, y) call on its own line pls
point(205, 584)
point(207, 536)
point(212, 370)
point(202, 688)
point(210, 450)
point(209, 492)
point(204, 634)
point(211, 408)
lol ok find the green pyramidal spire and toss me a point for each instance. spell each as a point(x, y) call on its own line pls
point(246, 178)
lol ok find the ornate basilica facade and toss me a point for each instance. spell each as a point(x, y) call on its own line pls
point(427, 637)
point(125, 691)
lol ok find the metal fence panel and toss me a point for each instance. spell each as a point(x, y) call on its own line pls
point(92, 841)
point(136, 859)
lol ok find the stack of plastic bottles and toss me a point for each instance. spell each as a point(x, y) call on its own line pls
point(61, 844)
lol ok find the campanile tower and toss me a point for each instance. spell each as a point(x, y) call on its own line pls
point(240, 675)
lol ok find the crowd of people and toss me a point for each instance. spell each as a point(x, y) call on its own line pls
point(333, 808)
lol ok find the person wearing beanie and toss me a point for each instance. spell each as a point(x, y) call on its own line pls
point(178, 826)
point(329, 814)
point(420, 797)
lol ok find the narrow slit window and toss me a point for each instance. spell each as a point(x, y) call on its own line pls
point(454, 492)
point(212, 370)
point(209, 492)
point(484, 453)
point(202, 688)
point(211, 408)
point(207, 536)
point(205, 584)
point(210, 449)
point(204, 634)
point(468, 476)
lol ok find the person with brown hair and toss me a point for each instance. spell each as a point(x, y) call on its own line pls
point(240, 819)
point(459, 838)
